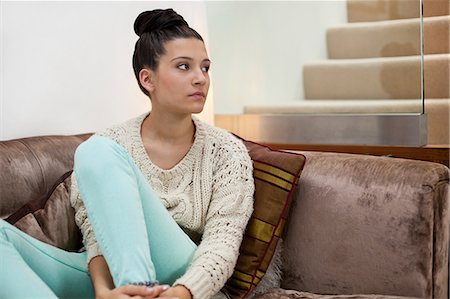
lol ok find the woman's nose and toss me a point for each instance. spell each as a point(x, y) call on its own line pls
point(200, 78)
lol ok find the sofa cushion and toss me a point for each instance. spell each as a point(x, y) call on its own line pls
point(292, 294)
point(51, 218)
point(276, 175)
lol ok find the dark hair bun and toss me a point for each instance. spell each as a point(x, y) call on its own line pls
point(157, 19)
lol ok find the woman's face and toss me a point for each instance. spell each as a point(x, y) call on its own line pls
point(181, 82)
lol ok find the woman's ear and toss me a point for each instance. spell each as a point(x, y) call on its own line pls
point(147, 79)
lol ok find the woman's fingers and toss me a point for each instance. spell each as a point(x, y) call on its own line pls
point(133, 290)
point(143, 291)
point(161, 288)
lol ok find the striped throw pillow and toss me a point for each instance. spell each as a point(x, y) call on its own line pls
point(276, 175)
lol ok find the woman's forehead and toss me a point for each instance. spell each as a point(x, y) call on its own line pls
point(186, 48)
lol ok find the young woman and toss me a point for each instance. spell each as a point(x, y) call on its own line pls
point(162, 200)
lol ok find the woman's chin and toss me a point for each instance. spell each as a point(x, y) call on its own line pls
point(197, 111)
point(198, 108)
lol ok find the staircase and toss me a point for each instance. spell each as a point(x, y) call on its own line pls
point(374, 65)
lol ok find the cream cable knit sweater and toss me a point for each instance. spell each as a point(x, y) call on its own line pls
point(209, 193)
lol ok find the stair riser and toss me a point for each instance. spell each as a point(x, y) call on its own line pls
point(382, 78)
point(389, 38)
point(380, 10)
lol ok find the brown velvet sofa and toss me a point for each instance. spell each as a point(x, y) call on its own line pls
point(360, 226)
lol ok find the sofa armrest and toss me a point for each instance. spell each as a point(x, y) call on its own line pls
point(31, 166)
point(369, 225)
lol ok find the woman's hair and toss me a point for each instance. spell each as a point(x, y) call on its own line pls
point(155, 28)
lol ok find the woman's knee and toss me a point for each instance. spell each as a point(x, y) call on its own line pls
point(97, 153)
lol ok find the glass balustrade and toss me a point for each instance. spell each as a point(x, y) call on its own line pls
point(340, 72)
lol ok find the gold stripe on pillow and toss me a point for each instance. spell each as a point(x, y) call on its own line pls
point(260, 230)
point(260, 274)
point(280, 227)
point(245, 277)
point(272, 179)
point(275, 171)
point(239, 284)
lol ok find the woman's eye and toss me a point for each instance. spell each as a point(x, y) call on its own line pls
point(205, 68)
point(183, 66)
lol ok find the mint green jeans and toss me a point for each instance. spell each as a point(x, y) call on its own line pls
point(137, 236)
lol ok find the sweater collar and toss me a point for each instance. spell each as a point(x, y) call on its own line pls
point(194, 153)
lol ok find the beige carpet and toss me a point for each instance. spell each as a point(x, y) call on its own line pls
point(388, 38)
point(377, 78)
point(378, 10)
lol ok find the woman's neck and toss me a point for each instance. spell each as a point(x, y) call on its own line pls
point(168, 128)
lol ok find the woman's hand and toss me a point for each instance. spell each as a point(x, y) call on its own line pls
point(178, 291)
point(133, 291)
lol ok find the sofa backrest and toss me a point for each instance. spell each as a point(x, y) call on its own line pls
point(359, 224)
point(369, 225)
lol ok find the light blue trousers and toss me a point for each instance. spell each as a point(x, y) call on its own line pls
point(138, 237)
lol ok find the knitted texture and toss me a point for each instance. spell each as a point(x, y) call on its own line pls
point(209, 193)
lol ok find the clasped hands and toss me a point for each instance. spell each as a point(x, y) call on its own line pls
point(143, 292)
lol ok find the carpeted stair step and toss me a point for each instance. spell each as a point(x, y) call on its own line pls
point(377, 78)
point(338, 106)
point(437, 110)
point(388, 38)
point(379, 10)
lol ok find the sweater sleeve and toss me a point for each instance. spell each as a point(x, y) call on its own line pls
point(89, 240)
point(229, 211)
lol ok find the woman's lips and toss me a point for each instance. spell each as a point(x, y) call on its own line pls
point(198, 95)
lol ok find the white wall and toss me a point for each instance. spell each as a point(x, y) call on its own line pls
point(66, 66)
point(258, 48)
